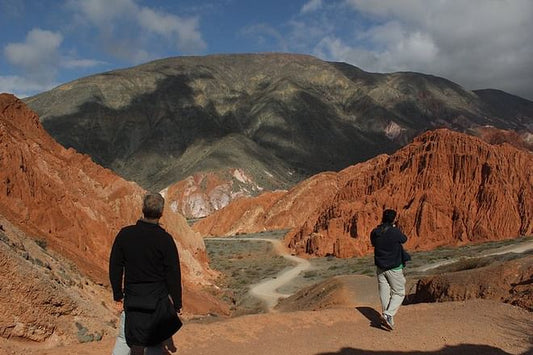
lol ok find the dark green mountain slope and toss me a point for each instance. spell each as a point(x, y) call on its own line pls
point(283, 115)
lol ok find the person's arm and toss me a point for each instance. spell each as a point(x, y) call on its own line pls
point(116, 269)
point(373, 237)
point(402, 238)
point(173, 273)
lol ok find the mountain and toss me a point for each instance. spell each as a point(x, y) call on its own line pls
point(278, 117)
point(59, 214)
point(449, 188)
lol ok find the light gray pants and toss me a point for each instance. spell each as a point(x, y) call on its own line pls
point(391, 286)
point(122, 348)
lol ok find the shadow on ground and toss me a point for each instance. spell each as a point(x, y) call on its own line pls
point(373, 316)
point(448, 350)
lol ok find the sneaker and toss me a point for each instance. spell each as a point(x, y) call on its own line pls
point(387, 321)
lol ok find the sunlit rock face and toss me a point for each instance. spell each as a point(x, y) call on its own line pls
point(203, 193)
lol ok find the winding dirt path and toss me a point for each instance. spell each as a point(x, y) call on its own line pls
point(267, 290)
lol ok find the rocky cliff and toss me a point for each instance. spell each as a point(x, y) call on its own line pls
point(273, 115)
point(75, 208)
point(448, 188)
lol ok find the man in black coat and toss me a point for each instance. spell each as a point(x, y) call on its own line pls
point(390, 259)
point(145, 276)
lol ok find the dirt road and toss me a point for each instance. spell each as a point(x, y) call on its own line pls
point(267, 290)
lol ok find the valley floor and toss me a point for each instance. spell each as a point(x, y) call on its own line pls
point(472, 327)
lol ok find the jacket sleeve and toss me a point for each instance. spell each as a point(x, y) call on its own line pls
point(173, 273)
point(116, 269)
point(373, 237)
point(400, 236)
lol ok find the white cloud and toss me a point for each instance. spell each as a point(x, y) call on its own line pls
point(103, 13)
point(38, 59)
point(38, 55)
point(476, 43)
point(311, 5)
point(168, 25)
point(122, 22)
point(22, 87)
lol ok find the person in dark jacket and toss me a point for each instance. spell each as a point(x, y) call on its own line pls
point(145, 276)
point(390, 259)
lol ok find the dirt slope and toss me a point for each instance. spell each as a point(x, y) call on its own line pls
point(473, 327)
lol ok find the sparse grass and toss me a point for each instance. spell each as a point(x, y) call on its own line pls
point(84, 336)
point(465, 254)
point(244, 263)
point(42, 243)
point(474, 263)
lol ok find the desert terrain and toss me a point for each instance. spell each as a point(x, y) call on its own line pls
point(282, 176)
point(340, 314)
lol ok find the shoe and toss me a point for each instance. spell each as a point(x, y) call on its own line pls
point(387, 321)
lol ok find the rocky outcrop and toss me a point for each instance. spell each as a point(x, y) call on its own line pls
point(448, 188)
point(44, 297)
point(203, 193)
point(510, 282)
point(273, 115)
point(75, 208)
point(271, 210)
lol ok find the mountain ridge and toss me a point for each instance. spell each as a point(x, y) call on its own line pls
point(309, 114)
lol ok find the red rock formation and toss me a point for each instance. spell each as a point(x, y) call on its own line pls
point(244, 216)
point(76, 206)
point(271, 210)
point(203, 193)
point(509, 281)
point(449, 189)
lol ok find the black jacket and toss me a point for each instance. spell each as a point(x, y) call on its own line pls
point(146, 257)
point(387, 241)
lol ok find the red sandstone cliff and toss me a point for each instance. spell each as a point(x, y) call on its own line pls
point(449, 189)
point(76, 207)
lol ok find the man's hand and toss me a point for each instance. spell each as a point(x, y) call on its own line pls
point(119, 306)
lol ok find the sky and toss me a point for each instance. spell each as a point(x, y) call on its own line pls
point(476, 43)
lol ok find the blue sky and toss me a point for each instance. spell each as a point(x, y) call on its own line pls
point(476, 43)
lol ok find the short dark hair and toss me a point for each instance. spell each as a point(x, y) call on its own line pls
point(153, 205)
point(388, 216)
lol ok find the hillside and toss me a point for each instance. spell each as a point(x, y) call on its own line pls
point(279, 117)
point(59, 213)
point(448, 188)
